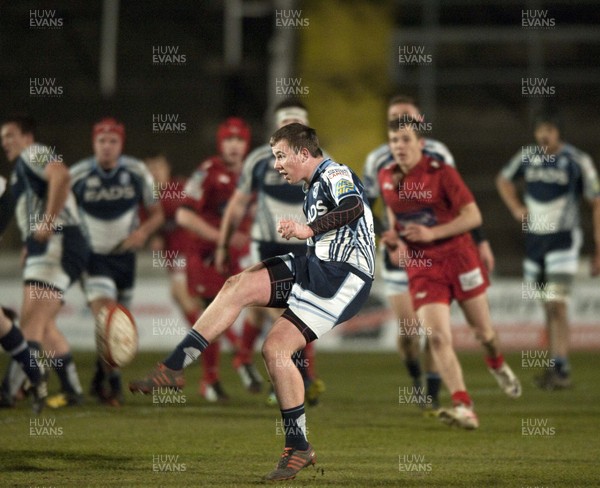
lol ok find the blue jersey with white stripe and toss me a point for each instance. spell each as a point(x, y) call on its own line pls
point(29, 187)
point(554, 184)
point(353, 243)
point(109, 200)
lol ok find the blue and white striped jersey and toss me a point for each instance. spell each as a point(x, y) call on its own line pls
point(109, 201)
point(382, 156)
point(353, 243)
point(554, 184)
point(29, 186)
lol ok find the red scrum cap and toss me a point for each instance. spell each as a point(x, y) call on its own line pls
point(233, 127)
point(109, 124)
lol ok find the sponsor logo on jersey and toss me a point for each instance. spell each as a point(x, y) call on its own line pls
point(93, 181)
point(124, 178)
point(344, 187)
point(316, 189)
point(424, 216)
point(316, 210)
point(471, 279)
point(224, 179)
point(547, 175)
point(337, 172)
point(109, 194)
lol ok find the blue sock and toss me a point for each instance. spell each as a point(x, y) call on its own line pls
point(114, 381)
point(433, 387)
point(294, 426)
point(414, 368)
point(187, 351)
point(15, 345)
point(562, 366)
point(67, 374)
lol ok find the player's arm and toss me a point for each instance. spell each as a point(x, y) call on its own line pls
point(236, 208)
point(389, 237)
point(371, 187)
point(7, 206)
point(59, 185)
point(377, 221)
point(391, 240)
point(347, 211)
point(154, 221)
point(595, 203)
point(155, 214)
point(510, 196)
point(187, 218)
point(468, 218)
point(591, 193)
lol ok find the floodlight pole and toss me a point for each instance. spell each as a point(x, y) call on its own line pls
point(108, 47)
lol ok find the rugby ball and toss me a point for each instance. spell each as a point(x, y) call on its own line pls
point(116, 335)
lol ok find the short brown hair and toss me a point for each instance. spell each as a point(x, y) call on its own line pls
point(402, 99)
point(25, 122)
point(298, 136)
point(406, 122)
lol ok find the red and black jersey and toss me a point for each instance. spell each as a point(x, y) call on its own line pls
point(432, 193)
point(207, 192)
point(172, 196)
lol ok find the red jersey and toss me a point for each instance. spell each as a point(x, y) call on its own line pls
point(171, 196)
point(207, 192)
point(432, 193)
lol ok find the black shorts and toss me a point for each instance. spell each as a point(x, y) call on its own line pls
point(317, 295)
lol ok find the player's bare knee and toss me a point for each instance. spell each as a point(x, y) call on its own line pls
point(274, 352)
point(269, 350)
point(438, 341)
point(406, 343)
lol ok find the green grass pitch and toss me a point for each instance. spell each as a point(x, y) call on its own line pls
point(363, 435)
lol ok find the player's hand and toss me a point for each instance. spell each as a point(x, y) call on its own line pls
point(486, 255)
point(418, 233)
point(520, 214)
point(390, 240)
point(135, 240)
point(291, 228)
point(595, 265)
point(43, 233)
point(239, 240)
point(157, 243)
point(221, 260)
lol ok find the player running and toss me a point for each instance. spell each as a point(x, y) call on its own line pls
point(276, 199)
point(109, 188)
point(55, 250)
point(434, 223)
point(556, 176)
point(395, 277)
point(207, 192)
point(172, 239)
point(319, 290)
